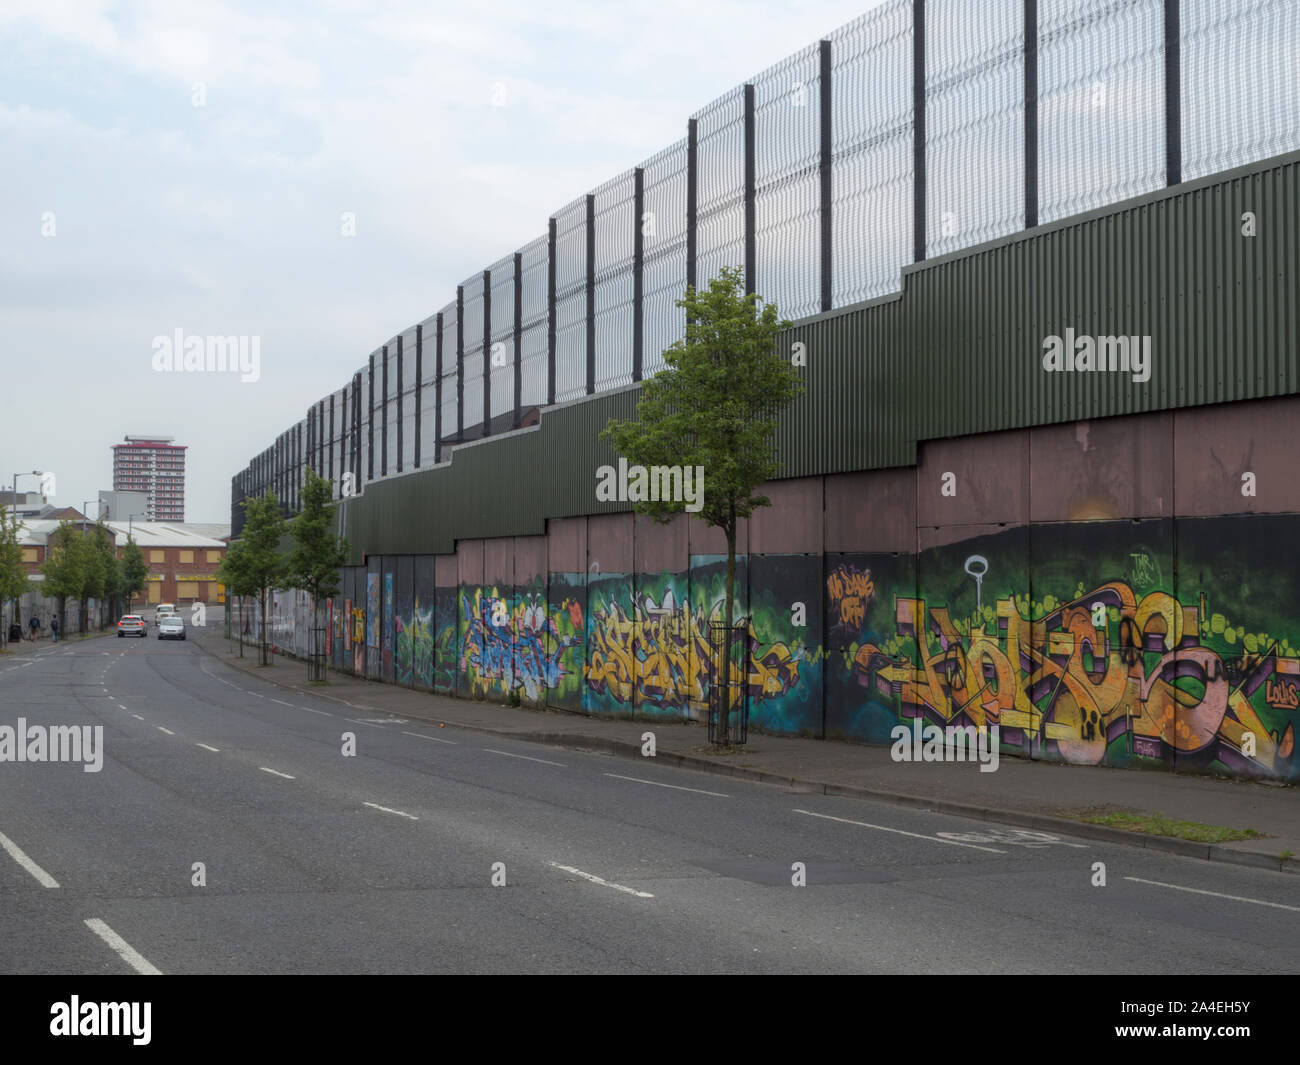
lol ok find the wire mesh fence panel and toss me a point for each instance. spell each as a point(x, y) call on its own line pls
point(1100, 103)
point(1240, 82)
point(787, 184)
point(501, 344)
point(407, 435)
point(388, 413)
point(615, 222)
point(974, 122)
point(449, 371)
point(720, 186)
point(871, 144)
point(428, 390)
point(472, 332)
point(533, 264)
point(571, 300)
point(663, 271)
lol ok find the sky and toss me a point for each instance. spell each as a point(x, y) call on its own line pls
point(184, 164)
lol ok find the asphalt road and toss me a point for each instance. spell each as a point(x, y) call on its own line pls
point(383, 862)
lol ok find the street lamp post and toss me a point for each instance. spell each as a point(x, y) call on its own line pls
point(14, 499)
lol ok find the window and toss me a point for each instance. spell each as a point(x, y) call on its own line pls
point(157, 555)
point(187, 589)
point(29, 554)
point(214, 556)
point(187, 558)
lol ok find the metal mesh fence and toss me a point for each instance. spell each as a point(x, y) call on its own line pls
point(787, 184)
point(871, 145)
point(1101, 137)
point(614, 217)
point(1100, 103)
point(663, 270)
point(1240, 82)
point(974, 100)
point(571, 300)
point(720, 184)
point(501, 345)
point(533, 350)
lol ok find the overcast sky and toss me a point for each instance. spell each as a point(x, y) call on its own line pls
point(127, 212)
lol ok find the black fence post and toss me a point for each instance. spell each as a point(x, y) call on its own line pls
point(550, 313)
point(419, 385)
point(437, 395)
point(751, 279)
point(1031, 113)
point(638, 265)
point(383, 413)
point(692, 181)
point(591, 294)
point(918, 130)
point(356, 431)
point(825, 77)
point(330, 454)
point(370, 427)
point(460, 362)
point(400, 405)
point(1173, 98)
point(487, 353)
point(519, 336)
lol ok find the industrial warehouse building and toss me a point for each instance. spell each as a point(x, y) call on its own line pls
point(1042, 476)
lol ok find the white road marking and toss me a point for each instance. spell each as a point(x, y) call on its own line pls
point(283, 703)
point(386, 721)
point(899, 831)
point(1216, 894)
point(166, 730)
point(136, 716)
point(602, 882)
point(124, 949)
point(675, 787)
point(359, 721)
point(275, 772)
point(214, 750)
point(121, 706)
point(15, 852)
point(323, 713)
point(389, 810)
point(525, 757)
point(422, 736)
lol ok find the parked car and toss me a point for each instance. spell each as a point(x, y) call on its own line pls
point(171, 627)
point(131, 625)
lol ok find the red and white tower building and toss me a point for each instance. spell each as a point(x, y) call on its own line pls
point(154, 465)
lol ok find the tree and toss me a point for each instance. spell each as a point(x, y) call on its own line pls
point(13, 578)
point(67, 566)
point(263, 562)
point(318, 553)
point(233, 574)
point(715, 407)
point(135, 572)
point(103, 540)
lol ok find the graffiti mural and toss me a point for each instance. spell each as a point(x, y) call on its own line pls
point(445, 654)
point(566, 608)
point(510, 646)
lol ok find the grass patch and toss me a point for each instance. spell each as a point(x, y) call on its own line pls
point(1155, 825)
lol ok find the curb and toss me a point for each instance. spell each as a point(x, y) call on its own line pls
point(1212, 852)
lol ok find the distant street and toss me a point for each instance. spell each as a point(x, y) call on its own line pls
point(318, 862)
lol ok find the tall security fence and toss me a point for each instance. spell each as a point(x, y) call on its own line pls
point(917, 130)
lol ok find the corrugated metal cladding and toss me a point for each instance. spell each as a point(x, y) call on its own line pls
point(959, 351)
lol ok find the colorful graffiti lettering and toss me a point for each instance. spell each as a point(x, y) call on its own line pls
point(660, 653)
point(1069, 684)
point(513, 649)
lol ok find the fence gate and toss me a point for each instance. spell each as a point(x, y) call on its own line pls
point(734, 702)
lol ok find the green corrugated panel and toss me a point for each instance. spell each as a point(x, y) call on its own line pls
point(957, 352)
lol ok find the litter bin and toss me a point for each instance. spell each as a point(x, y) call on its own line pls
point(15, 632)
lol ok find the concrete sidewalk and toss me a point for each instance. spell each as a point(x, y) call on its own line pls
point(27, 647)
point(1045, 796)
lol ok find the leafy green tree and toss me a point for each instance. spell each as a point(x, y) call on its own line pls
point(264, 564)
point(13, 578)
point(318, 554)
point(104, 541)
point(233, 574)
point(135, 572)
point(716, 406)
point(67, 567)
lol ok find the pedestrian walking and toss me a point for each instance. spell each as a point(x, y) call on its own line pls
point(54, 629)
point(32, 626)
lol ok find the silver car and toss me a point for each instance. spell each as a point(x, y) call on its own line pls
point(171, 627)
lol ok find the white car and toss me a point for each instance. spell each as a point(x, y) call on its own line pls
point(171, 627)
